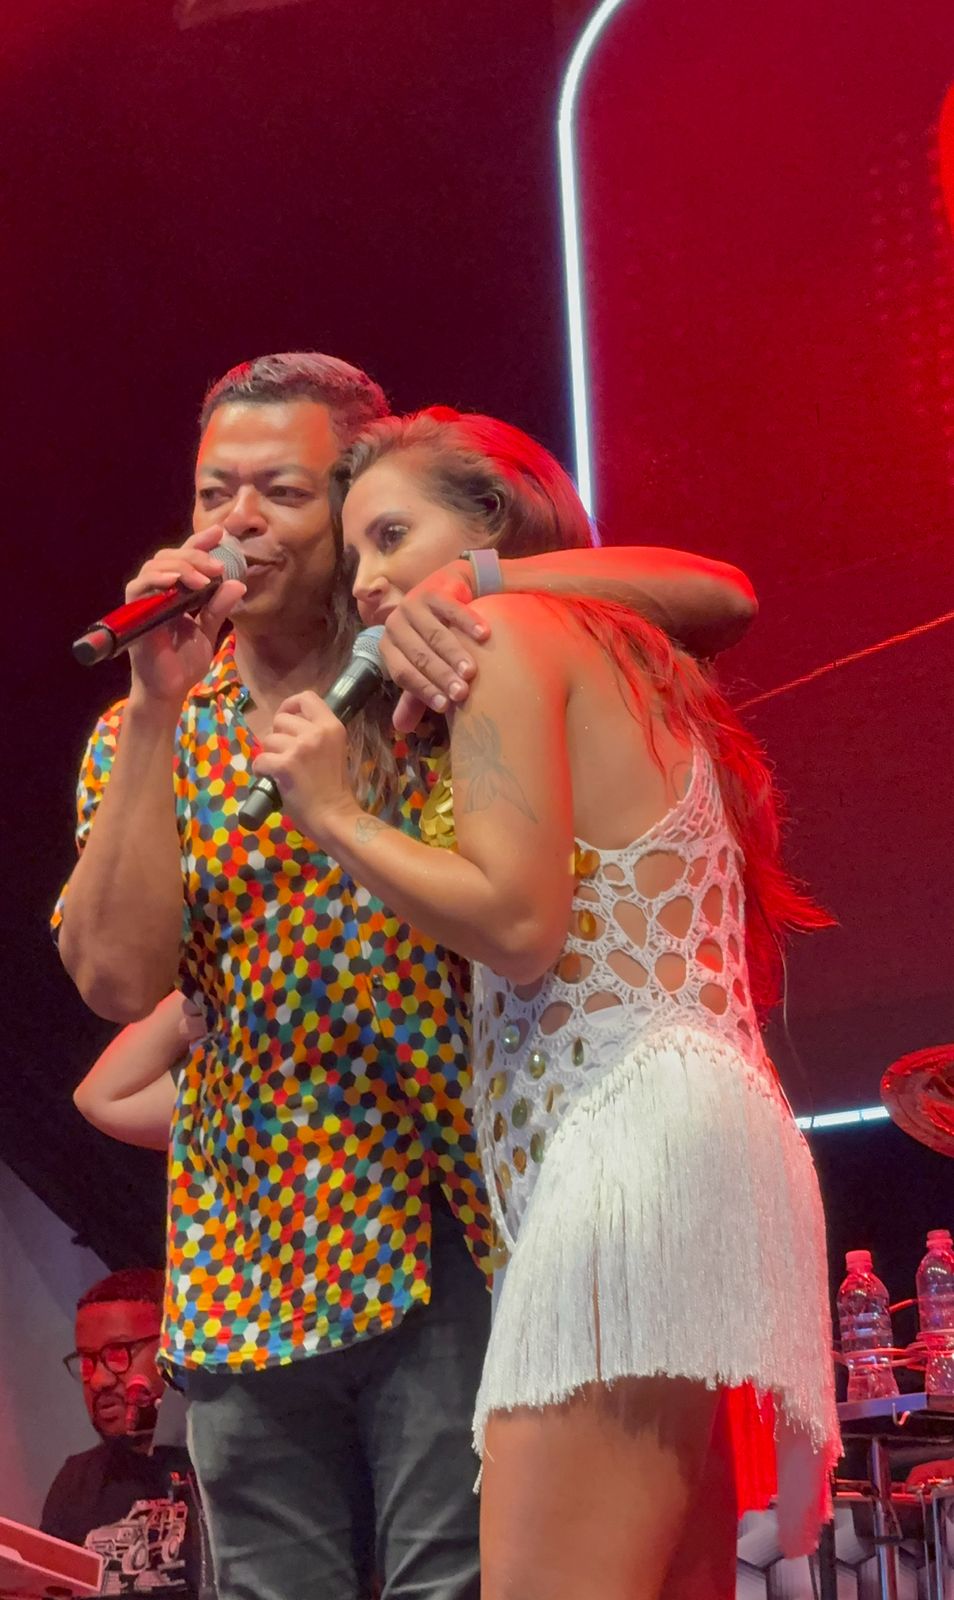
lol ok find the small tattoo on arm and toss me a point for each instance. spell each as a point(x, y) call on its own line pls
point(367, 828)
point(478, 759)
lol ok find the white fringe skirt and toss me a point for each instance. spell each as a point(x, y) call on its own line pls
point(676, 1229)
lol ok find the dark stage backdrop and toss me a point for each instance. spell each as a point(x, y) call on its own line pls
point(372, 179)
point(379, 181)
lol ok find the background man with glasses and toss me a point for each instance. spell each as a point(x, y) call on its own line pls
point(117, 1498)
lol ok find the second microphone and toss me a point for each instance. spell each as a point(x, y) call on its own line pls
point(349, 693)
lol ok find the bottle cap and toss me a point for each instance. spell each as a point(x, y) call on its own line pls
point(940, 1239)
point(858, 1260)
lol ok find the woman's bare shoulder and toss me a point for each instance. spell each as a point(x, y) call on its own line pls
point(522, 624)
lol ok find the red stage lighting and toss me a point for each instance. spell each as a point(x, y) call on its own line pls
point(946, 150)
point(189, 13)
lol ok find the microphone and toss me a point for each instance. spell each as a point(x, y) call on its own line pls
point(118, 629)
point(141, 1406)
point(351, 690)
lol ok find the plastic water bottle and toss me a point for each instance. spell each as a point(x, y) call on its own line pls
point(935, 1282)
point(865, 1324)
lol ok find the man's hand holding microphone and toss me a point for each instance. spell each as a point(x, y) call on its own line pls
point(169, 633)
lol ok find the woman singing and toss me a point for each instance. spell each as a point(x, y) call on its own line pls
point(614, 877)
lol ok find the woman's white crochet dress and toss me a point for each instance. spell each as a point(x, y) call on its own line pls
point(659, 1204)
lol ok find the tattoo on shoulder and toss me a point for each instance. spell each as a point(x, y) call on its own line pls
point(478, 759)
point(367, 828)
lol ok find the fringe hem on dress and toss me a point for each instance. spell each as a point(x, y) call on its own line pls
point(676, 1229)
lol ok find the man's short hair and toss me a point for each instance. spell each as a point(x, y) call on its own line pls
point(353, 399)
point(142, 1284)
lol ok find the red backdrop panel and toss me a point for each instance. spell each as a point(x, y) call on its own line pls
point(770, 314)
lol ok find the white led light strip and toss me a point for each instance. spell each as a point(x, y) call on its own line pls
point(844, 1119)
point(572, 253)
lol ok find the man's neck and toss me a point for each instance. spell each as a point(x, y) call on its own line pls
point(136, 1444)
point(274, 666)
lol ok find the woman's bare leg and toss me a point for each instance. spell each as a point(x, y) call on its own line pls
point(587, 1500)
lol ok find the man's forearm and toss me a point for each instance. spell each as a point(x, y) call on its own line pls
point(702, 604)
point(123, 916)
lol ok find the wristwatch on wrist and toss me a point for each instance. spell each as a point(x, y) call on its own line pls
point(485, 567)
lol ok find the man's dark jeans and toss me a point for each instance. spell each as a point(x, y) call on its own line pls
point(318, 1475)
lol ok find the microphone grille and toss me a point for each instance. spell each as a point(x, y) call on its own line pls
point(232, 559)
point(367, 646)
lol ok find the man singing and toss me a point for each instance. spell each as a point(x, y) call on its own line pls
point(326, 1213)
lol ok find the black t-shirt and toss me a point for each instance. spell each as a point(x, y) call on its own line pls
point(123, 1504)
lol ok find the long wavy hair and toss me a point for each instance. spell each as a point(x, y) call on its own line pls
point(513, 494)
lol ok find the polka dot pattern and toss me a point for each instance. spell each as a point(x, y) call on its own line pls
point(329, 1093)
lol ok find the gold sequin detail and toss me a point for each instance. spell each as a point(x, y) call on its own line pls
point(570, 967)
point(510, 1038)
point(586, 924)
point(537, 1144)
point(500, 1126)
point(537, 1064)
point(437, 816)
point(577, 1054)
point(520, 1160)
point(520, 1113)
point(552, 1093)
point(506, 1176)
point(585, 862)
point(498, 1086)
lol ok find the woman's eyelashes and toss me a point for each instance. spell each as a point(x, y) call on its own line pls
point(388, 535)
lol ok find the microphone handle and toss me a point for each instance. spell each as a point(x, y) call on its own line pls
point(121, 628)
point(262, 799)
point(347, 696)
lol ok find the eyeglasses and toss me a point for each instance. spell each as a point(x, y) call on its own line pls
point(116, 1357)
